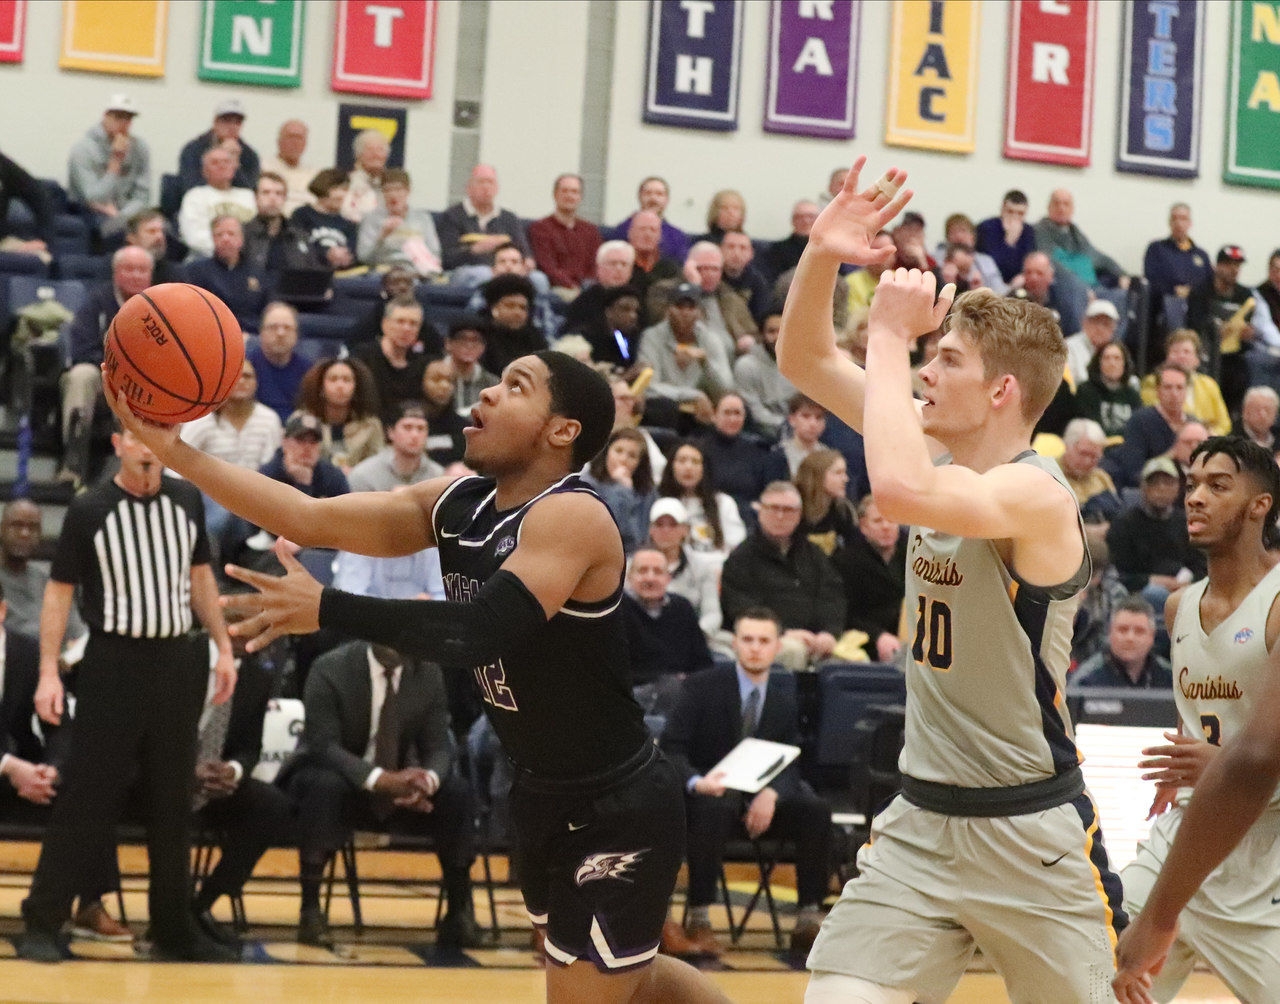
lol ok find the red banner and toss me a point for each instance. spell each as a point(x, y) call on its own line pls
point(385, 47)
point(1051, 55)
point(13, 18)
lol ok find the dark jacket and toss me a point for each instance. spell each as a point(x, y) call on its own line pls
point(241, 288)
point(16, 183)
point(254, 683)
point(739, 466)
point(751, 286)
point(669, 644)
point(1142, 545)
point(873, 586)
point(707, 723)
point(338, 703)
point(1146, 435)
point(89, 326)
point(189, 163)
point(455, 221)
point(1102, 670)
point(326, 482)
point(802, 587)
point(504, 345)
point(21, 675)
point(268, 255)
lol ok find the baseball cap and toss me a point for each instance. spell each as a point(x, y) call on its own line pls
point(669, 507)
point(1102, 308)
point(1160, 465)
point(122, 103)
point(686, 292)
point(1230, 252)
point(231, 106)
point(302, 424)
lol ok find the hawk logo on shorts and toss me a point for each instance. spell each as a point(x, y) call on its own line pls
point(505, 545)
point(1243, 635)
point(608, 864)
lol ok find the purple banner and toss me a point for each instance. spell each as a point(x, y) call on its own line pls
point(813, 68)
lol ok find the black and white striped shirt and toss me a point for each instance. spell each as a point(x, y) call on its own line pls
point(132, 558)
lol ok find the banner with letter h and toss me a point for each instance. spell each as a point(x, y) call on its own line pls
point(694, 63)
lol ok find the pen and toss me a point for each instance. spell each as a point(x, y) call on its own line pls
point(765, 774)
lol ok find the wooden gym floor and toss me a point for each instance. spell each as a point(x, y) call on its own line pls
point(395, 959)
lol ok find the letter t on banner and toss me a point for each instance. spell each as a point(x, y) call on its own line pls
point(695, 53)
point(1051, 56)
point(384, 47)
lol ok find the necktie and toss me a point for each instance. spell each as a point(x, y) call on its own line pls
point(210, 740)
point(386, 743)
point(749, 711)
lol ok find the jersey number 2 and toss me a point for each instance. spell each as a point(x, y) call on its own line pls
point(933, 632)
point(492, 681)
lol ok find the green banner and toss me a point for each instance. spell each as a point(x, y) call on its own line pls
point(252, 42)
point(1253, 95)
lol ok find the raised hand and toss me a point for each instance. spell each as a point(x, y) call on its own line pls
point(846, 226)
point(905, 303)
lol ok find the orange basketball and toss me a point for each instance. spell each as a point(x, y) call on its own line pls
point(175, 350)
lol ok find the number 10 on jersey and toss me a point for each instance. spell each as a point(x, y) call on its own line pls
point(931, 644)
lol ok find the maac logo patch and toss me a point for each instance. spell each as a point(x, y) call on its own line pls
point(1243, 635)
point(505, 545)
point(607, 864)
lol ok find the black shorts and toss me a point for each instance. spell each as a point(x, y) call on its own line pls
point(598, 866)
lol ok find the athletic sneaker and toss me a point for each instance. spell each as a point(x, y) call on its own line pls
point(93, 923)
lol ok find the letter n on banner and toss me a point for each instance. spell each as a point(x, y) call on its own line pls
point(1253, 95)
point(385, 47)
point(1161, 72)
point(13, 18)
point(813, 67)
point(933, 74)
point(1051, 56)
point(247, 42)
point(111, 37)
point(695, 55)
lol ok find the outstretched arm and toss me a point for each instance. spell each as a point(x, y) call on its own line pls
point(380, 524)
point(843, 232)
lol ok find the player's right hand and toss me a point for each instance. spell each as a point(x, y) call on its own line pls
point(157, 438)
point(908, 303)
point(844, 229)
point(1140, 955)
point(49, 699)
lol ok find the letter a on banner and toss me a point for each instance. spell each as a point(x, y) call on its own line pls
point(13, 17)
point(933, 74)
point(247, 42)
point(1051, 55)
point(385, 47)
point(813, 67)
point(112, 37)
point(1253, 95)
point(695, 54)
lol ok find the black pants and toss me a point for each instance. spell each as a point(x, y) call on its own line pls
point(802, 817)
point(138, 702)
point(329, 809)
point(254, 817)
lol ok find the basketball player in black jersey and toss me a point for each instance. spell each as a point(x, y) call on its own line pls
point(533, 568)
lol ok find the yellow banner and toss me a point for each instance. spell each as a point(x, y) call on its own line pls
point(933, 74)
point(114, 36)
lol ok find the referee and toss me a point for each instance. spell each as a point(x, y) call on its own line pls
point(137, 549)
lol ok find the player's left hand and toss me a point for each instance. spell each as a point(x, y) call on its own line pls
point(224, 675)
point(760, 812)
point(847, 225)
point(283, 604)
point(1140, 956)
point(1181, 764)
point(908, 304)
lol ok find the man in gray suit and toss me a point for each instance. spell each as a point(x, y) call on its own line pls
point(377, 753)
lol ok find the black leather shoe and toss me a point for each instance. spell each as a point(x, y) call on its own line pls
point(313, 930)
point(459, 930)
point(35, 945)
point(215, 931)
point(199, 949)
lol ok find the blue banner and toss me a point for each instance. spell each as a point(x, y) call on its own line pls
point(1161, 79)
point(695, 55)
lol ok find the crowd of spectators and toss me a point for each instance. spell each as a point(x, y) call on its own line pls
point(733, 493)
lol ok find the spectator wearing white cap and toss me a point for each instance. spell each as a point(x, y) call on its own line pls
point(228, 118)
point(694, 575)
point(1097, 330)
point(109, 170)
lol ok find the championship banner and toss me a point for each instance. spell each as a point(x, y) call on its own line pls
point(387, 47)
point(1161, 69)
point(1051, 54)
point(695, 56)
point(813, 68)
point(933, 74)
point(247, 42)
point(1253, 95)
point(13, 17)
point(114, 36)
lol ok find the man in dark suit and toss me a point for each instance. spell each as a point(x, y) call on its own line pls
point(377, 753)
point(247, 815)
point(718, 708)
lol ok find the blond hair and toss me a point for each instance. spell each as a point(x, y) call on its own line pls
point(1016, 337)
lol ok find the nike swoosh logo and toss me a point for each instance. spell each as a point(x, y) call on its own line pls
point(1180, 638)
point(1050, 864)
point(1275, 900)
point(575, 829)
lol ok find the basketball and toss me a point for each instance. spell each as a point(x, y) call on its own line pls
point(175, 350)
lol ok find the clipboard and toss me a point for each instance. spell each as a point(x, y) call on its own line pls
point(753, 763)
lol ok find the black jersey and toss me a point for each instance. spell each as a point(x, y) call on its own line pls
point(562, 705)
